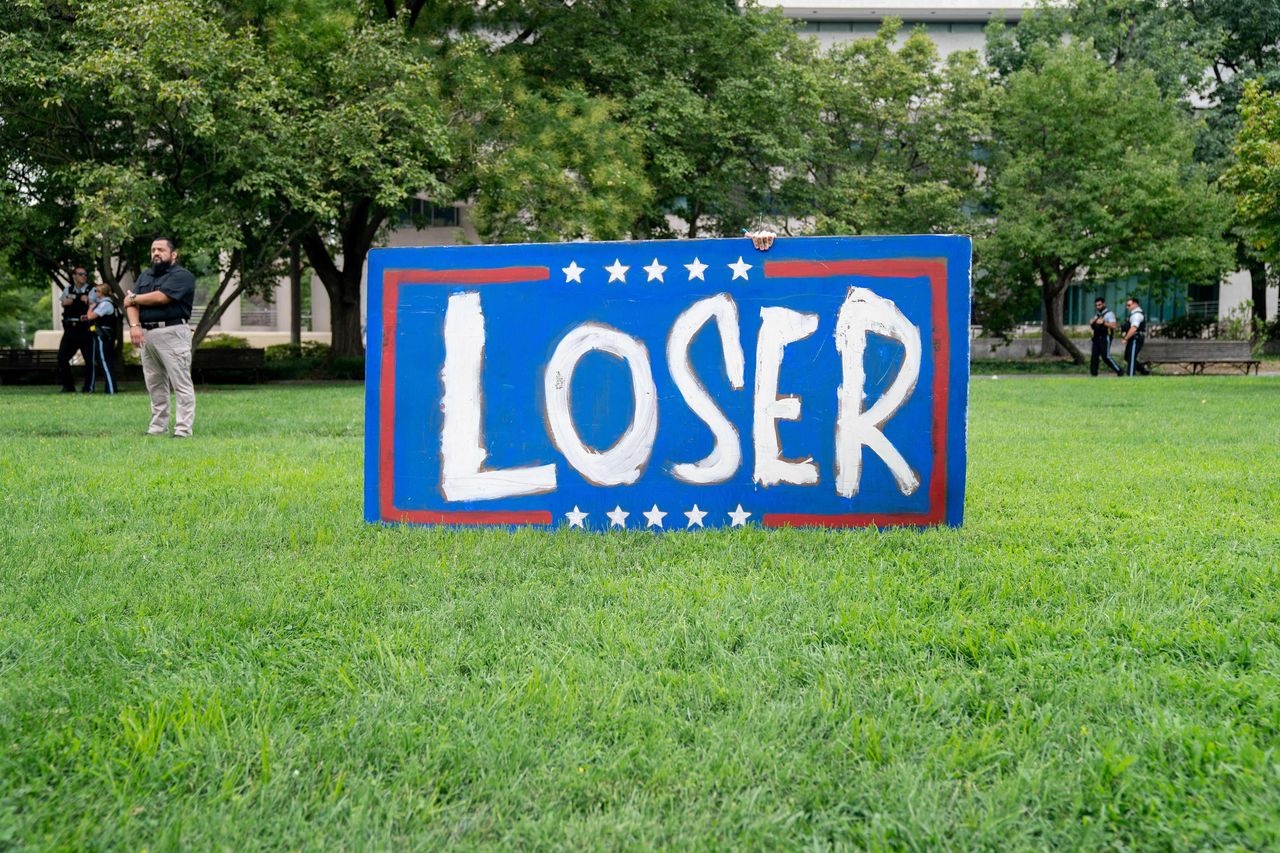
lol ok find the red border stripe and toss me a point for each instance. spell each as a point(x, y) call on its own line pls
point(935, 269)
point(391, 282)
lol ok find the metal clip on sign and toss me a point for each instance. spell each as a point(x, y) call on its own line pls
point(669, 384)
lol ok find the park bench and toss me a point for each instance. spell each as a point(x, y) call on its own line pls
point(227, 362)
point(27, 364)
point(1195, 355)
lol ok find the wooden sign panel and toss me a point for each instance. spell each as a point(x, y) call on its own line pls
point(669, 384)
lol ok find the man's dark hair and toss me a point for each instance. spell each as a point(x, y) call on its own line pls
point(1099, 299)
point(172, 245)
point(1134, 300)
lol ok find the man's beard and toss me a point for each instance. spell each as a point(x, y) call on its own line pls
point(160, 267)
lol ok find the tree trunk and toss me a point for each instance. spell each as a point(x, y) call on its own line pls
point(1052, 330)
point(347, 338)
point(695, 213)
point(360, 224)
point(1048, 343)
point(295, 294)
point(343, 287)
point(1258, 283)
point(217, 305)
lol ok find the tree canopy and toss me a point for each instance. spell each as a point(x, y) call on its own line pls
point(253, 130)
point(1093, 176)
point(893, 147)
point(1255, 177)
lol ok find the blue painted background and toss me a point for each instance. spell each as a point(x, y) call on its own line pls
point(525, 322)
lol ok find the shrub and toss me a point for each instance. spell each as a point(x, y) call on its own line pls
point(224, 341)
point(346, 367)
point(308, 350)
point(1187, 328)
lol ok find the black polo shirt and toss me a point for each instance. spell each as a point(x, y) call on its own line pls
point(178, 284)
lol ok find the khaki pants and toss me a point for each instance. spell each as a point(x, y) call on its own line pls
point(166, 362)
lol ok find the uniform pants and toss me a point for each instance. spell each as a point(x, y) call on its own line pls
point(100, 367)
point(1131, 349)
point(75, 336)
point(166, 364)
point(1102, 352)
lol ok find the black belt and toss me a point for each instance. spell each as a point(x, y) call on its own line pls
point(158, 323)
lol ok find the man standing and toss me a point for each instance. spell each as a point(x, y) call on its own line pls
point(1104, 326)
point(1135, 334)
point(75, 304)
point(158, 313)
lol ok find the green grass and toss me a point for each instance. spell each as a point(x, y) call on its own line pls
point(203, 646)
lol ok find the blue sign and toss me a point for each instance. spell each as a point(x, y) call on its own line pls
point(669, 384)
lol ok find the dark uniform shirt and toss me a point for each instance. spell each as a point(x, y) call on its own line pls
point(178, 284)
point(73, 312)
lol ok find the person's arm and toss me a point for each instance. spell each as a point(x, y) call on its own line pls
point(135, 325)
point(1110, 324)
point(154, 298)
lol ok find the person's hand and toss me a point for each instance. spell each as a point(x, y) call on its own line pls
point(762, 240)
point(135, 336)
point(129, 298)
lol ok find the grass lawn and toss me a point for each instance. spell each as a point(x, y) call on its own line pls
point(202, 645)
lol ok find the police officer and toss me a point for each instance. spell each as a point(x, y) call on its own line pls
point(158, 313)
point(1104, 326)
point(100, 318)
point(75, 331)
point(1135, 334)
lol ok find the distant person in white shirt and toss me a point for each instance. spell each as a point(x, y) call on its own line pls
point(1135, 334)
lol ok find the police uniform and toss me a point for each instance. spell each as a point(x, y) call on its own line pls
point(99, 331)
point(75, 336)
point(1133, 346)
point(1102, 328)
point(166, 349)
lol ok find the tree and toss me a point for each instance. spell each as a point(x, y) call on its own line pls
point(540, 162)
point(134, 119)
point(1255, 177)
point(1092, 175)
point(893, 152)
point(371, 120)
point(559, 168)
point(717, 93)
point(1201, 51)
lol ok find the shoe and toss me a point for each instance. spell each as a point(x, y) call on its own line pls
point(149, 434)
point(182, 435)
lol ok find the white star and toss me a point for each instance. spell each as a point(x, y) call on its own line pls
point(617, 272)
point(575, 517)
point(655, 516)
point(573, 272)
point(696, 269)
point(695, 516)
point(739, 269)
point(655, 270)
point(618, 518)
point(739, 517)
